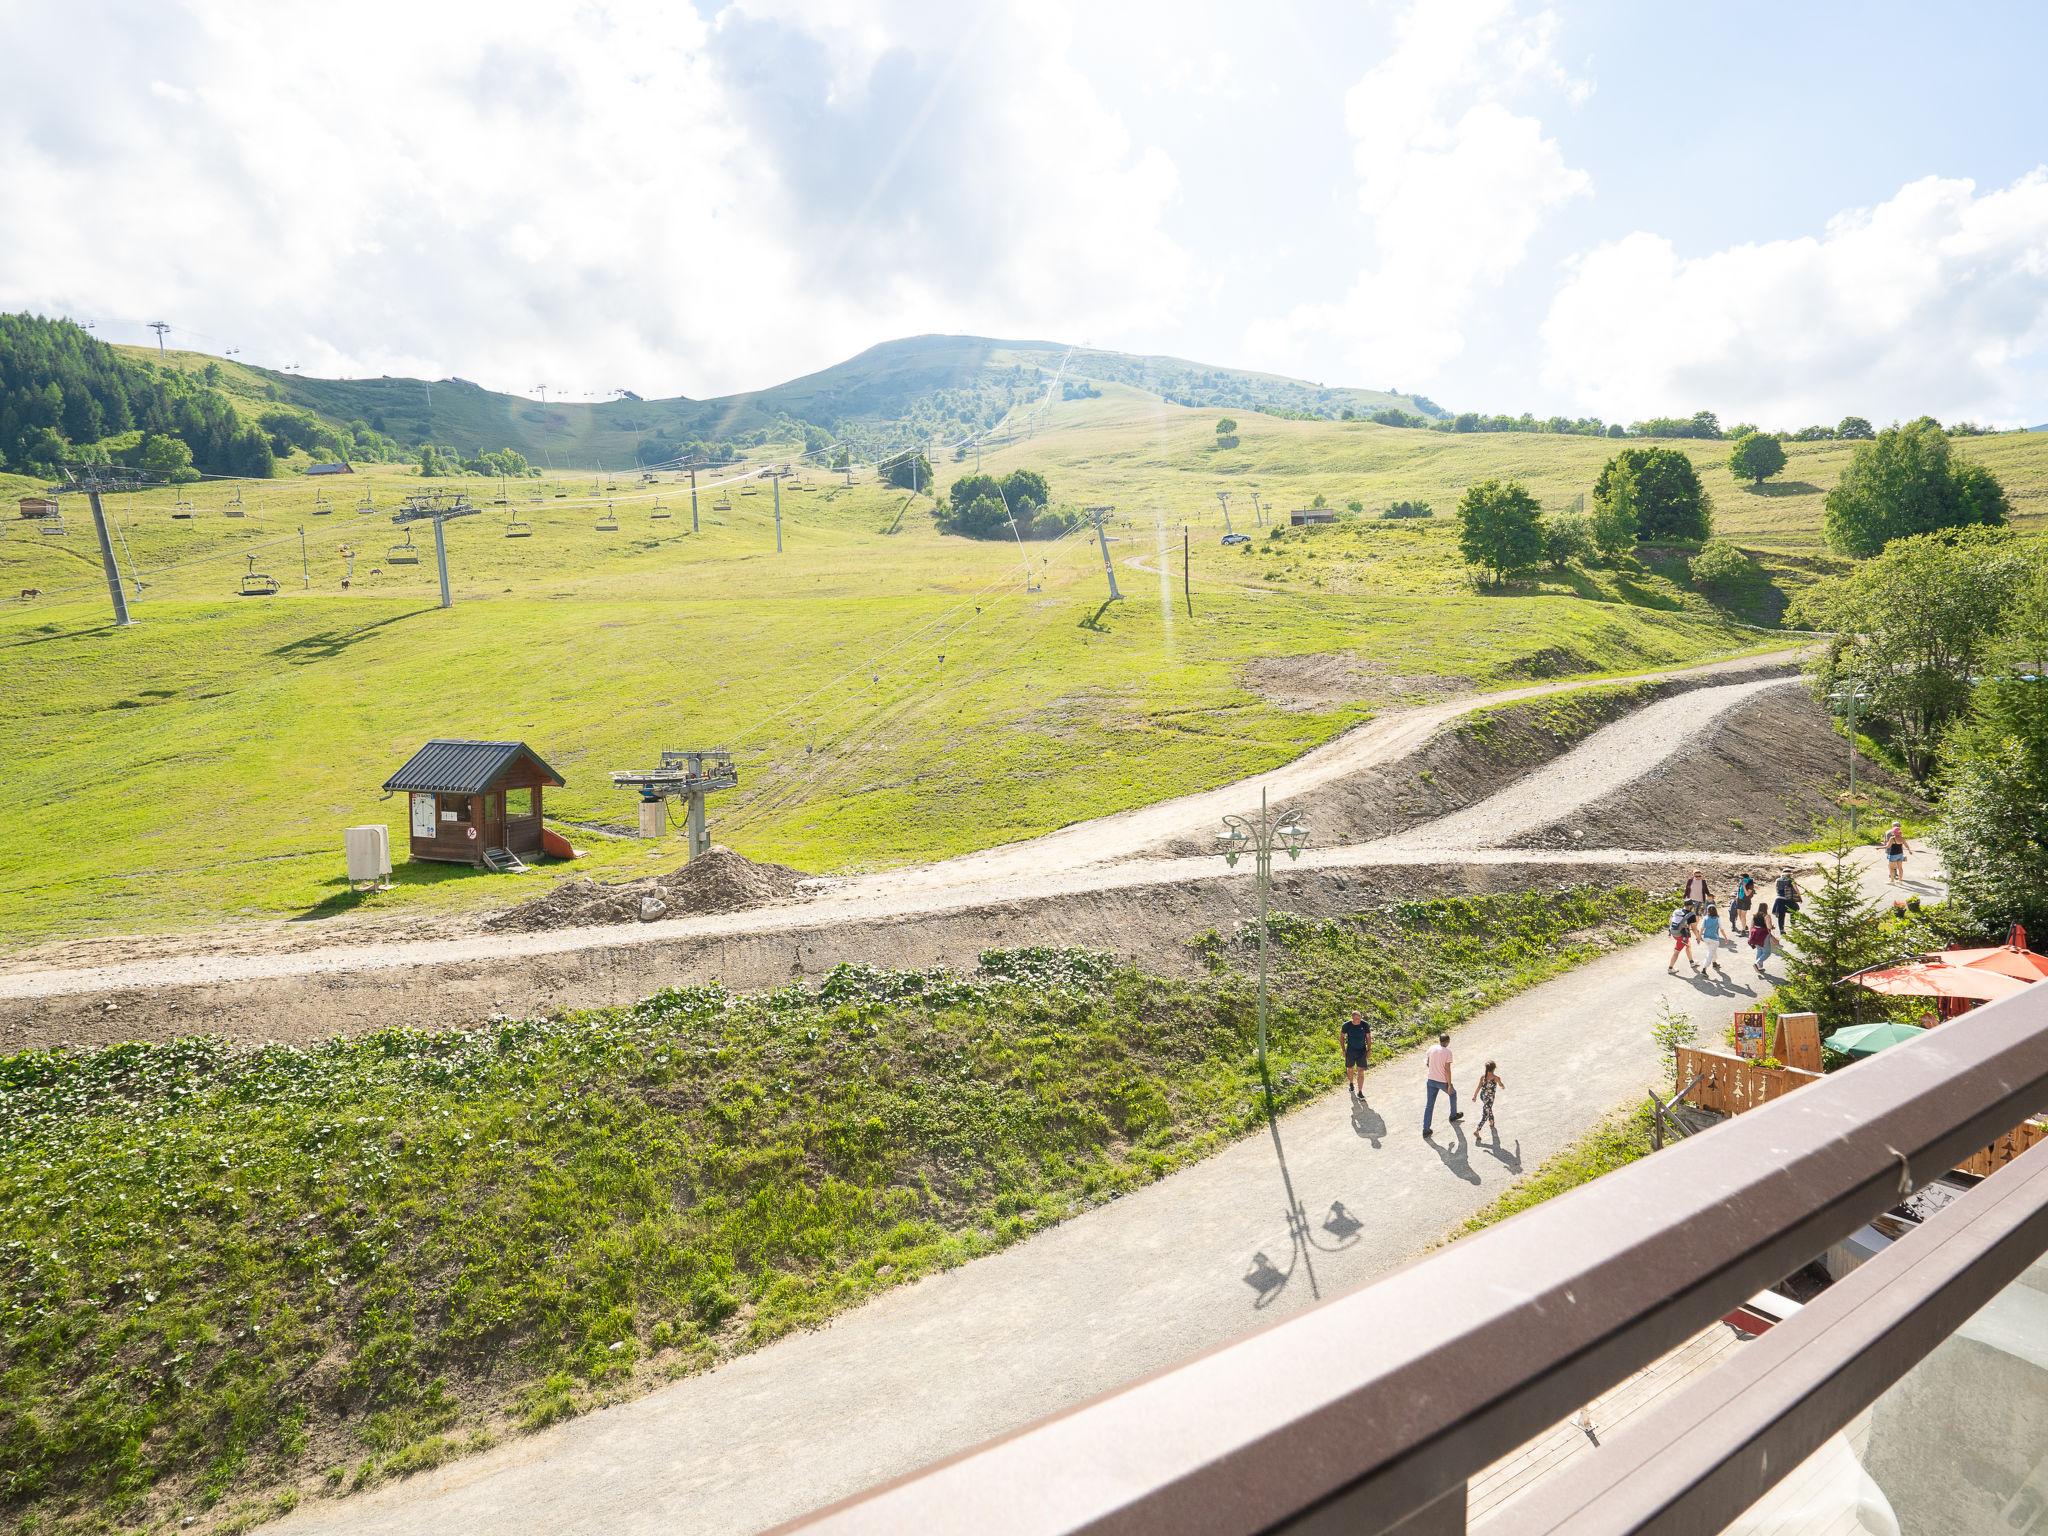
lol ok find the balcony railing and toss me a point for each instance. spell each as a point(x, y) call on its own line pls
point(1370, 1412)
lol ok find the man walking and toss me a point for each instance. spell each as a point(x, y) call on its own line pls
point(1438, 1064)
point(1357, 1035)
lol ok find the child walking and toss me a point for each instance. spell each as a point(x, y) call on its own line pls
point(1761, 938)
point(1489, 1084)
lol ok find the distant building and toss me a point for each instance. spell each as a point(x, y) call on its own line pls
point(329, 469)
point(38, 506)
point(474, 798)
point(1309, 515)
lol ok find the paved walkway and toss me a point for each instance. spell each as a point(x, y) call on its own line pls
point(1335, 1195)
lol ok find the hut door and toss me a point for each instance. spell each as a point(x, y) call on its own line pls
point(494, 819)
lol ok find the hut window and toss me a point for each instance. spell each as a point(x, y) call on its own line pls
point(455, 808)
point(518, 803)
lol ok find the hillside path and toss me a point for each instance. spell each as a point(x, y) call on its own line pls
point(1104, 854)
point(1334, 1195)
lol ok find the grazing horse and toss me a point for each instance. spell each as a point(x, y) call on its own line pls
point(30, 593)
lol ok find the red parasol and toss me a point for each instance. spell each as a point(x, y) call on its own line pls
point(1932, 978)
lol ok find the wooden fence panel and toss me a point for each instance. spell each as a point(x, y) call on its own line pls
point(2005, 1149)
point(1729, 1085)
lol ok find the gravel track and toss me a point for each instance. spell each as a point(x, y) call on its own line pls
point(1098, 855)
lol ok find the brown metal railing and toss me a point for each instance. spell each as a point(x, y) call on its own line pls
point(1368, 1413)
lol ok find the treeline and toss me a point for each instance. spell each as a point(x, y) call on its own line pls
point(68, 398)
point(1701, 424)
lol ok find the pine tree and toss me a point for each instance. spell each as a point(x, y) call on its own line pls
point(1839, 933)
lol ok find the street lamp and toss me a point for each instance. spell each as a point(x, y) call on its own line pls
point(1241, 835)
point(1849, 695)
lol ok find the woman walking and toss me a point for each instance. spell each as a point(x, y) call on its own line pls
point(1738, 908)
point(1895, 851)
point(1711, 936)
point(1762, 940)
point(1696, 888)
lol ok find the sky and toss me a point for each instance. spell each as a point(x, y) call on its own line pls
point(1783, 213)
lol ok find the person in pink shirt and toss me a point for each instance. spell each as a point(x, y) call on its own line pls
point(1438, 1065)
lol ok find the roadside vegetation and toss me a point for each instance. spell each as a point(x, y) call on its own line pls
point(223, 1271)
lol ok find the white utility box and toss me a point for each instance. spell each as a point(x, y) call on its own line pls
point(369, 855)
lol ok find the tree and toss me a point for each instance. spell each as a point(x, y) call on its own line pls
point(1722, 568)
point(1568, 540)
point(907, 471)
point(1409, 508)
point(1499, 528)
point(166, 459)
point(1911, 626)
point(1755, 457)
point(1670, 502)
point(1839, 934)
point(1854, 427)
point(1993, 833)
point(1614, 515)
point(1225, 427)
point(1907, 481)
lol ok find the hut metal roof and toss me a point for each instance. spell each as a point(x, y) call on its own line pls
point(454, 767)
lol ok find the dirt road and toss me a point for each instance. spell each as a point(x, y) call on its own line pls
point(996, 896)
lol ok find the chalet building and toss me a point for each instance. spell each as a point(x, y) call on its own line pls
point(38, 506)
point(330, 469)
point(475, 802)
point(1310, 515)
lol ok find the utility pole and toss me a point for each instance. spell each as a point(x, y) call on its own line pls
point(305, 566)
point(1850, 695)
point(1258, 512)
point(543, 393)
point(441, 558)
point(1096, 516)
point(1224, 497)
point(775, 479)
point(693, 498)
point(159, 326)
point(1240, 835)
point(977, 455)
point(99, 526)
point(1187, 580)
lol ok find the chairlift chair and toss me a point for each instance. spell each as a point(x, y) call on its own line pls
point(322, 507)
point(609, 523)
point(518, 528)
point(51, 527)
point(657, 512)
point(368, 505)
point(232, 507)
point(181, 510)
point(403, 554)
point(723, 504)
point(255, 584)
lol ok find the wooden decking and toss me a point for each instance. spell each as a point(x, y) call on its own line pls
point(1818, 1498)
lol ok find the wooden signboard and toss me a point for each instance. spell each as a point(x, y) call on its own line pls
point(1797, 1043)
point(1749, 1034)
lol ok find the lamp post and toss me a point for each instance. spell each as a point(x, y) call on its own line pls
point(1849, 695)
point(1241, 834)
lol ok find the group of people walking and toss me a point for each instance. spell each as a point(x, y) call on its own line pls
point(1437, 1080)
point(1696, 925)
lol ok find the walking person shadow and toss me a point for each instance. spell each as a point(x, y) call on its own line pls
point(1367, 1121)
point(1456, 1153)
point(1509, 1158)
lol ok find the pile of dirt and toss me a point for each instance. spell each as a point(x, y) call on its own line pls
point(1769, 772)
point(1328, 679)
point(719, 881)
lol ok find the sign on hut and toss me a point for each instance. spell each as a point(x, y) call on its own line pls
point(475, 802)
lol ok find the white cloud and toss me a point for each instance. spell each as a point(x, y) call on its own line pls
point(1935, 301)
point(1454, 183)
point(595, 196)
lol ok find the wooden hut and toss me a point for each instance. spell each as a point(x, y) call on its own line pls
point(39, 506)
point(475, 802)
point(1308, 517)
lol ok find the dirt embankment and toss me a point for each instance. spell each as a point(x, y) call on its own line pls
point(719, 881)
point(1475, 756)
point(1150, 924)
point(1768, 773)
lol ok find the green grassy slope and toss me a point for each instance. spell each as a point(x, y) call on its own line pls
point(224, 1271)
point(894, 694)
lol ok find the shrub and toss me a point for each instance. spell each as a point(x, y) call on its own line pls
point(1721, 567)
point(1669, 501)
point(1568, 540)
point(1499, 530)
point(1409, 509)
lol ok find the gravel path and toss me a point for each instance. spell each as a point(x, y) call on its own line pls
point(1094, 855)
point(1336, 1195)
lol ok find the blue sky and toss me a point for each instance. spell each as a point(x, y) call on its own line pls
point(1781, 213)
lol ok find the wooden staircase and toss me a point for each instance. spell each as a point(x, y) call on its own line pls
point(504, 861)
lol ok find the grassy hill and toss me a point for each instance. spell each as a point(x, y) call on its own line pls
point(916, 386)
point(893, 694)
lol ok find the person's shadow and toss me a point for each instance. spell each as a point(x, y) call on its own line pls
point(1509, 1158)
point(1367, 1121)
point(1456, 1154)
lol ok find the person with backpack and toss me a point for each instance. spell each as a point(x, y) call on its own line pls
point(1761, 940)
point(1785, 905)
point(1679, 926)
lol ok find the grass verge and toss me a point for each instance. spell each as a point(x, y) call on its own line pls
point(225, 1274)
